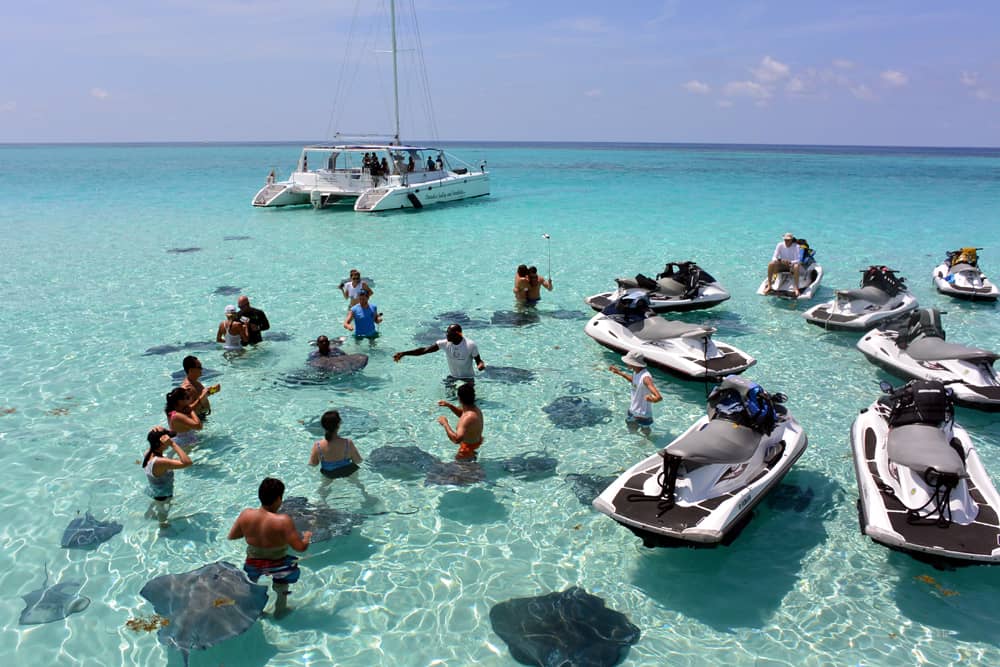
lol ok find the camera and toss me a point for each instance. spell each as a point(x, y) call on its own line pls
point(245, 320)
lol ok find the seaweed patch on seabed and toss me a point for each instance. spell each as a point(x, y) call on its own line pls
point(178, 251)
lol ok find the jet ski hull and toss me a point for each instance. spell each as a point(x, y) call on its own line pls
point(707, 520)
point(689, 358)
point(884, 518)
point(857, 314)
point(708, 298)
point(781, 286)
point(974, 385)
point(969, 285)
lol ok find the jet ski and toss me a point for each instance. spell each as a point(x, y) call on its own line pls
point(916, 349)
point(686, 350)
point(703, 486)
point(959, 276)
point(680, 286)
point(882, 296)
point(922, 485)
point(810, 274)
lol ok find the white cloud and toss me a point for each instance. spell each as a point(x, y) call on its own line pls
point(593, 92)
point(8, 107)
point(970, 79)
point(795, 86)
point(862, 92)
point(99, 93)
point(697, 87)
point(747, 89)
point(770, 70)
point(894, 78)
point(843, 63)
point(983, 94)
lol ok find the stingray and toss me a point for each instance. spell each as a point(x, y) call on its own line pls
point(509, 374)
point(455, 473)
point(568, 628)
point(183, 250)
point(514, 318)
point(575, 388)
point(204, 606)
point(588, 487)
point(403, 463)
point(162, 349)
point(87, 532)
point(790, 497)
point(52, 603)
point(530, 465)
point(460, 318)
point(339, 363)
point(201, 345)
point(324, 522)
point(354, 423)
point(277, 336)
point(573, 412)
point(226, 290)
point(236, 238)
point(568, 314)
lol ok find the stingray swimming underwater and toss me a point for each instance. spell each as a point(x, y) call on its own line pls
point(52, 603)
point(85, 532)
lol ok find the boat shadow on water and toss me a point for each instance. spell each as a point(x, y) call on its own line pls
point(761, 561)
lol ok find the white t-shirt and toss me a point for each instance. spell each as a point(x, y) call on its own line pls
point(460, 357)
point(785, 253)
point(640, 407)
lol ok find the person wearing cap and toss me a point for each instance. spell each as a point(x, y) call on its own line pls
point(460, 351)
point(644, 392)
point(785, 258)
point(232, 332)
point(363, 317)
point(159, 470)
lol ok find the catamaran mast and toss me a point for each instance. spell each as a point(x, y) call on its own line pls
point(395, 76)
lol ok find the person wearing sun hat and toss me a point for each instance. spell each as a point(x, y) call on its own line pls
point(232, 333)
point(785, 258)
point(644, 392)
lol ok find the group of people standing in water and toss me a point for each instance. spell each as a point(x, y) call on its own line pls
point(268, 534)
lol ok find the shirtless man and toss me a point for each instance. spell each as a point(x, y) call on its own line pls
point(468, 433)
point(197, 393)
point(268, 535)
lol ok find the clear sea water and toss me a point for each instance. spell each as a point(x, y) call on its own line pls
point(88, 285)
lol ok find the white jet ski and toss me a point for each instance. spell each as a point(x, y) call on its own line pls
point(882, 296)
point(681, 286)
point(687, 350)
point(922, 486)
point(703, 486)
point(810, 275)
point(916, 349)
point(959, 276)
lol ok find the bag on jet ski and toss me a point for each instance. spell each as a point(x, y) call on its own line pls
point(744, 402)
point(920, 402)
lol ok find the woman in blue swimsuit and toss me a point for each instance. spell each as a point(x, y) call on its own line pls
point(336, 457)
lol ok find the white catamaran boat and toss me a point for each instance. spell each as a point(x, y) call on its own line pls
point(376, 176)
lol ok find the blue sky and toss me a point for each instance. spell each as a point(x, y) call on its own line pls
point(871, 73)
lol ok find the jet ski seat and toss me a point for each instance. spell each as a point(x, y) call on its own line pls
point(669, 287)
point(868, 293)
point(929, 348)
point(958, 268)
point(923, 446)
point(721, 441)
point(657, 328)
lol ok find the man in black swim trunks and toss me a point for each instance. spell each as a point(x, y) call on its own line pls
point(254, 318)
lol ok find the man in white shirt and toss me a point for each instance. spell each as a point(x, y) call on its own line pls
point(461, 352)
point(785, 258)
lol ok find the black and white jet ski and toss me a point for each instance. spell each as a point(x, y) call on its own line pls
point(882, 296)
point(922, 487)
point(959, 276)
point(681, 286)
point(706, 482)
point(810, 275)
point(687, 350)
point(916, 349)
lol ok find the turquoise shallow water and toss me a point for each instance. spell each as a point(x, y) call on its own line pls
point(89, 285)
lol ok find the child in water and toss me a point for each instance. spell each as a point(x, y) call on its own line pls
point(644, 392)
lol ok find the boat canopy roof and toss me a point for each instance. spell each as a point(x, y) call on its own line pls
point(368, 147)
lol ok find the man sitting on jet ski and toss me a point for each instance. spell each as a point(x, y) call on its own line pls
point(785, 258)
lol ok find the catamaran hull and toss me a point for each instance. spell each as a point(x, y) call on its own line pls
point(424, 194)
